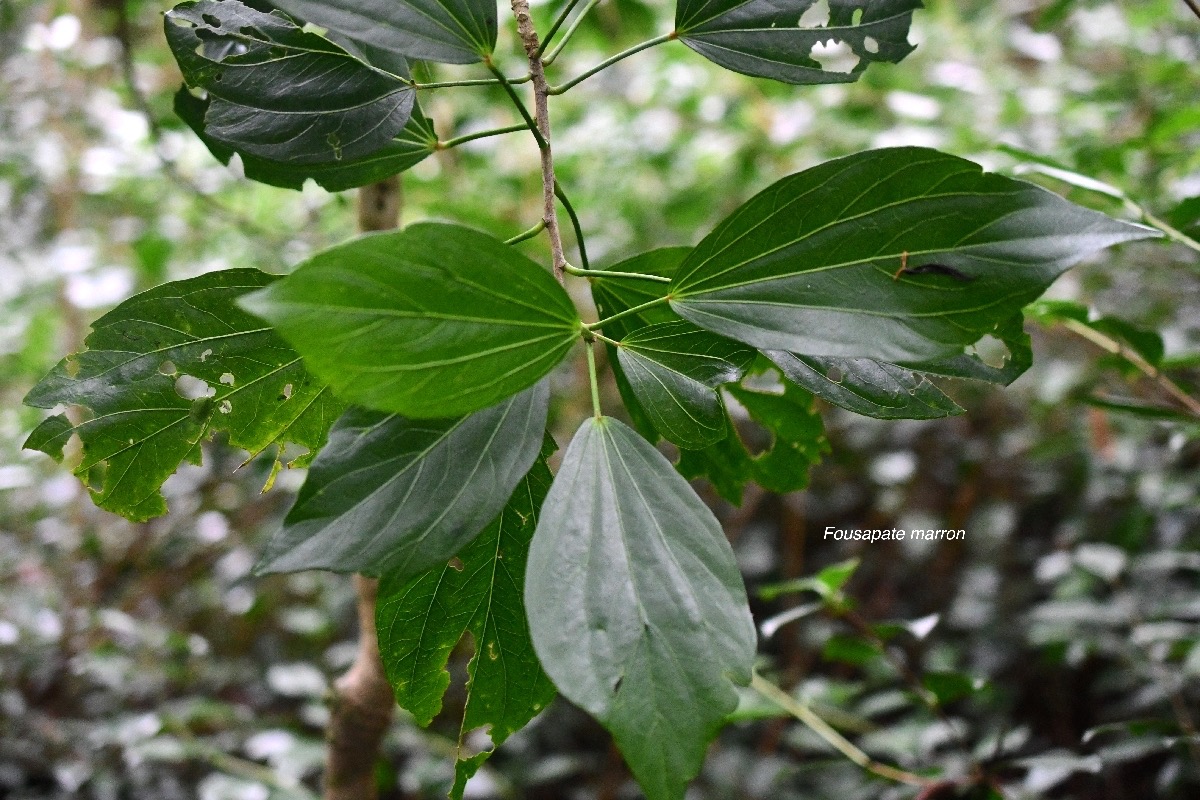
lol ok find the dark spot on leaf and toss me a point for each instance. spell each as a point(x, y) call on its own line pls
point(834, 374)
point(938, 269)
point(202, 409)
point(617, 686)
point(456, 564)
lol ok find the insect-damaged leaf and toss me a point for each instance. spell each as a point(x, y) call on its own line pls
point(449, 31)
point(166, 369)
point(421, 619)
point(432, 321)
point(812, 264)
point(673, 369)
point(281, 93)
point(390, 494)
point(636, 605)
point(777, 38)
point(416, 141)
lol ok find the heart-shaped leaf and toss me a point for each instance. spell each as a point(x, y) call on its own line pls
point(636, 605)
point(421, 619)
point(901, 255)
point(673, 369)
point(282, 93)
point(432, 321)
point(390, 494)
point(166, 369)
point(781, 39)
point(448, 31)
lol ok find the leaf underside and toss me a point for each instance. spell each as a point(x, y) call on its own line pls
point(421, 620)
point(636, 604)
point(139, 428)
point(433, 321)
point(391, 494)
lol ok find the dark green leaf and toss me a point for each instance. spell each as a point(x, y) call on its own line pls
point(726, 465)
point(448, 31)
point(849, 650)
point(134, 376)
point(390, 494)
point(950, 686)
point(997, 368)
point(416, 141)
point(798, 437)
point(421, 619)
point(673, 369)
point(282, 93)
point(432, 321)
point(873, 388)
point(774, 39)
point(636, 605)
point(812, 264)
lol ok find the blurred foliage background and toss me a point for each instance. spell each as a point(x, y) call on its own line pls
point(1055, 652)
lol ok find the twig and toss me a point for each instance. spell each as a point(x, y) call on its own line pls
point(608, 62)
point(558, 21)
point(548, 60)
point(561, 195)
point(470, 137)
point(1193, 6)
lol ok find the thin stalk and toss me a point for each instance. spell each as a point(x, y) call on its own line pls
point(470, 137)
point(529, 122)
point(562, 196)
point(604, 273)
point(529, 234)
point(559, 20)
point(548, 60)
point(1193, 6)
point(658, 301)
point(605, 339)
point(610, 61)
point(1149, 370)
point(591, 359)
point(840, 743)
point(468, 82)
point(1171, 232)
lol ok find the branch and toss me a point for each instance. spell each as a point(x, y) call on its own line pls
point(541, 93)
point(1193, 6)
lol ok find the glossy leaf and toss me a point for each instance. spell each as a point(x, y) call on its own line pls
point(636, 605)
point(1012, 364)
point(281, 93)
point(447, 31)
point(673, 369)
point(166, 369)
point(421, 619)
point(777, 38)
point(813, 264)
point(872, 388)
point(416, 141)
point(433, 321)
point(396, 495)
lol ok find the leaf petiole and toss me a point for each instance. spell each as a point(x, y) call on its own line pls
point(529, 234)
point(470, 137)
point(591, 358)
point(507, 84)
point(548, 60)
point(562, 196)
point(559, 20)
point(469, 82)
point(637, 48)
point(604, 273)
point(658, 301)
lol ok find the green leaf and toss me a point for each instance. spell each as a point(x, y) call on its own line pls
point(390, 494)
point(849, 650)
point(673, 369)
point(1016, 359)
point(1146, 343)
point(421, 619)
point(447, 31)
point(282, 93)
point(797, 433)
point(776, 38)
point(638, 611)
point(950, 686)
point(812, 264)
point(145, 355)
point(436, 320)
point(872, 388)
point(416, 141)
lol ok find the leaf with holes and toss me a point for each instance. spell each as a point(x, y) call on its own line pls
point(636, 604)
point(783, 39)
point(872, 388)
point(448, 31)
point(166, 369)
point(433, 321)
point(416, 141)
point(282, 93)
point(903, 255)
point(422, 618)
point(390, 494)
point(674, 369)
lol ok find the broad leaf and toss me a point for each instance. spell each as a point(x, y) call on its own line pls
point(140, 381)
point(780, 38)
point(673, 369)
point(636, 605)
point(416, 141)
point(872, 388)
point(421, 619)
point(432, 321)
point(390, 494)
point(448, 31)
point(1017, 358)
point(281, 93)
point(814, 263)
